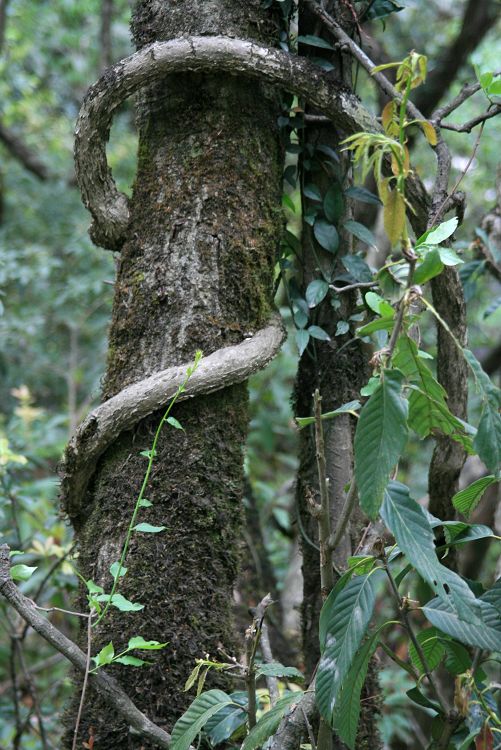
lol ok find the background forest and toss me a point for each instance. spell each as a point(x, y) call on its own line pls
point(56, 291)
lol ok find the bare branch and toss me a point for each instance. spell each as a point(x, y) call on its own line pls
point(466, 92)
point(107, 686)
point(467, 127)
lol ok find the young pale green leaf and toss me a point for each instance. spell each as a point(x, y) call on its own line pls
point(342, 327)
point(302, 338)
point(410, 525)
point(380, 439)
point(105, 656)
point(438, 234)
point(484, 632)
point(326, 235)
point(431, 646)
point(347, 617)
point(147, 528)
point(274, 669)
point(360, 231)
point(347, 712)
point(174, 423)
point(115, 568)
point(120, 602)
point(449, 257)
point(21, 572)
point(379, 305)
point(316, 292)
point(144, 503)
point(381, 324)
point(268, 723)
point(130, 661)
point(94, 588)
point(349, 408)
point(194, 719)
point(139, 642)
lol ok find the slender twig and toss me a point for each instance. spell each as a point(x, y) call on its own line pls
point(349, 287)
point(271, 682)
point(467, 127)
point(344, 518)
point(33, 694)
point(85, 679)
point(15, 689)
point(253, 637)
point(465, 93)
point(324, 523)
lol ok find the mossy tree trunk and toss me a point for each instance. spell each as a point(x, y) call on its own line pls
point(194, 273)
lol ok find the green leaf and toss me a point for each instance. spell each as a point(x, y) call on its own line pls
point(360, 231)
point(130, 661)
point(314, 41)
point(346, 618)
point(381, 324)
point(313, 193)
point(274, 669)
point(147, 528)
point(194, 719)
point(268, 723)
point(379, 305)
point(326, 235)
point(363, 195)
point(115, 568)
point(302, 338)
point(484, 632)
point(105, 656)
point(333, 203)
point(94, 588)
point(227, 720)
point(347, 712)
point(420, 699)
point(316, 291)
point(120, 602)
point(428, 410)
point(319, 333)
point(139, 642)
point(487, 441)
point(174, 423)
point(438, 234)
point(457, 659)
point(144, 503)
point(21, 572)
point(493, 595)
point(449, 257)
point(410, 525)
point(357, 267)
point(380, 439)
point(342, 327)
point(432, 647)
point(428, 268)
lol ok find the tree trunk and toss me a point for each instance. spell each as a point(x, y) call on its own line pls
point(195, 272)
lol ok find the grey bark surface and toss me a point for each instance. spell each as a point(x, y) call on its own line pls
point(195, 272)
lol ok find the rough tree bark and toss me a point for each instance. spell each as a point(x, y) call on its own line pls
point(195, 272)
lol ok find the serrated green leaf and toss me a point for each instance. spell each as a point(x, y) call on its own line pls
point(316, 292)
point(432, 648)
point(410, 525)
point(147, 528)
point(380, 439)
point(347, 712)
point(194, 719)
point(347, 617)
point(484, 632)
point(493, 595)
point(21, 572)
point(274, 669)
point(268, 723)
point(457, 658)
point(360, 231)
point(326, 235)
